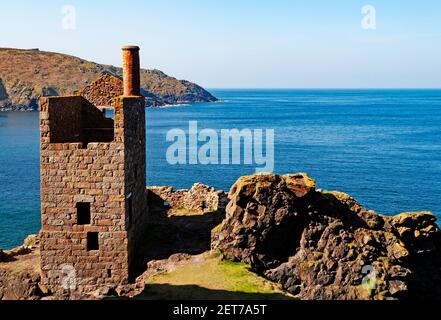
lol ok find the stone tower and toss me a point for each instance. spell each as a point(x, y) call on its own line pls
point(93, 186)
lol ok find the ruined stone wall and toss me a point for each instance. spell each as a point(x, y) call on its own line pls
point(200, 198)
point(74, 119)
point(103, 91)
point(99, 175)
point(95, 126)
point(65, 119)
point(92, 117)
point(130, 112)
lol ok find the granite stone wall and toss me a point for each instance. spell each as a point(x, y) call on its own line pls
point(104, 91)
point(89, 223)
point(130, 119)
point(200, 198)
point(74, 119)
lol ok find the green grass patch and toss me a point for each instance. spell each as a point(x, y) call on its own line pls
point(212, 278)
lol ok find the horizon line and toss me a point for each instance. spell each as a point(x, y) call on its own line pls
point(320, 88)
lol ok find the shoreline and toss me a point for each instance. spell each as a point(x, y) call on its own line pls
point(396, 246)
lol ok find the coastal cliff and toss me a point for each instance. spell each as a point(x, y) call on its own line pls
point(270, 237)
point(26, 75)
point(325, 245)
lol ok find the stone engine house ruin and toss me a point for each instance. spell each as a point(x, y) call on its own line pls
point(104, 91)
point(93, 185)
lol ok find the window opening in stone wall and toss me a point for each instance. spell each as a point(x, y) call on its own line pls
point(83, 213)
point(92, 241)
point(108, 113)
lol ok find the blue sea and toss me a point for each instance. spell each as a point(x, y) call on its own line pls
point(381, 146)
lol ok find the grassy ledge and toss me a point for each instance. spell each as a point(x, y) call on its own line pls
point(211, 278)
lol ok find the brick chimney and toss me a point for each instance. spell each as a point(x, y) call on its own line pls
point(131, 71)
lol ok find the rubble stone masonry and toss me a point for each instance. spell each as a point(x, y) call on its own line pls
point(103, 91)
point(93, 196)
point(199, 199)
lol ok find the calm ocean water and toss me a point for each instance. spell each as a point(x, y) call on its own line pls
point(381, 146)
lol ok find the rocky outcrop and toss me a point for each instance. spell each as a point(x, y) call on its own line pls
point(325, 245)
point(199, 199)
point(26, 75)
point(30, 243)
point(19, 272)
point(3, 94)
point(23, 285)
point(315, 244)
point(160, 89)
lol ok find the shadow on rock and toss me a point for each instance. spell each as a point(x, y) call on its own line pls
point(168, 234)
point(325, 245)
point(193, 292)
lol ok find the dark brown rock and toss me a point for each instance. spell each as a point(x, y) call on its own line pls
point(325, 245)
point(19, 275)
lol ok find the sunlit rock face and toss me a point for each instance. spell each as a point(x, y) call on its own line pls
point(325, 245)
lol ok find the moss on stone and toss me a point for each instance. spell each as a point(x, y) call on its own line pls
point(218, 228)
point(229, 279)
point(352, 245)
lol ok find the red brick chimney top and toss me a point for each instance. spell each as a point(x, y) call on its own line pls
point(131, 71)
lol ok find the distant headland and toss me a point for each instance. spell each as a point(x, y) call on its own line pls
point(26, 75)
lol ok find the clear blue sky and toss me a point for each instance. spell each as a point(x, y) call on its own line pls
point(245, 43)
